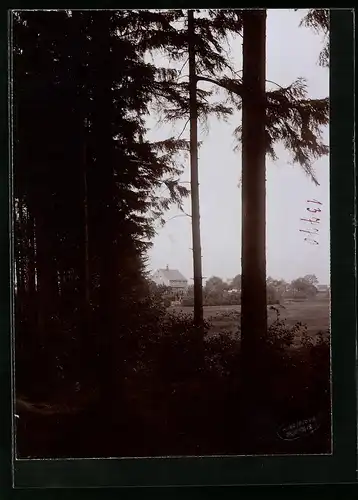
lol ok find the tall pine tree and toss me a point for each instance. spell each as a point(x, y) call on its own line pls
point(89, 181)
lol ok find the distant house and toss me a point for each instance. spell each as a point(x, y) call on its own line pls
point(171, 278)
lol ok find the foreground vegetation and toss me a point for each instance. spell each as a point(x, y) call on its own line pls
point(182, 396)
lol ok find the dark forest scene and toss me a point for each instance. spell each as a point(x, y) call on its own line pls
point(170, 232)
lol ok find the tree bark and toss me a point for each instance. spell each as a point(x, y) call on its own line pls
point(194, 177)
point(253, 299)
point(254, 302)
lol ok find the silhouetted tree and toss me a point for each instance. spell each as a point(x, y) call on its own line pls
point(318, 20)
point(201, 36)
point(85, 185)
point(194, 175)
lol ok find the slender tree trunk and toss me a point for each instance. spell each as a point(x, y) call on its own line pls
point(194, 177)
point(254, 300)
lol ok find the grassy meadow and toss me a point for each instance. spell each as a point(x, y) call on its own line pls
point(315, 314)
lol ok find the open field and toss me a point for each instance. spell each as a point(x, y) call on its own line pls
point(314, 314)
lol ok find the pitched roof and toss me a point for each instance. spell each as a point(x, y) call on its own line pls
point(173, 275)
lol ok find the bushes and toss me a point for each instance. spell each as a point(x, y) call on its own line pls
point(214, 298)
point(195, 383)
point(187, 302)
point(182, 387)
point(225, 299)
point(299, 368)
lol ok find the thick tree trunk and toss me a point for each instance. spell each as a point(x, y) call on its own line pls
point(254, 300)
point(194, 177)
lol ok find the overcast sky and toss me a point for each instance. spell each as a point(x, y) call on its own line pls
point(291, 52)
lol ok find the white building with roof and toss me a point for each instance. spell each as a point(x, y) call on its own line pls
point(171, 278)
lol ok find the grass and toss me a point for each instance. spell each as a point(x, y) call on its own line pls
point(314, 313)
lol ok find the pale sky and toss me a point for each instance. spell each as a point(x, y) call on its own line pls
point(292, 52)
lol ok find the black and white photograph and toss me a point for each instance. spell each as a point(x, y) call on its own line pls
point(170, 218)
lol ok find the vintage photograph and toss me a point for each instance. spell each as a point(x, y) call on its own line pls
point(170, 232)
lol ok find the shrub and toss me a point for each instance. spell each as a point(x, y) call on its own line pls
point(182, 385)
point(300, 377)
point(187, 302)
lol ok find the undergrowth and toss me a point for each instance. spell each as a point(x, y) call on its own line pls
point(182, 395)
